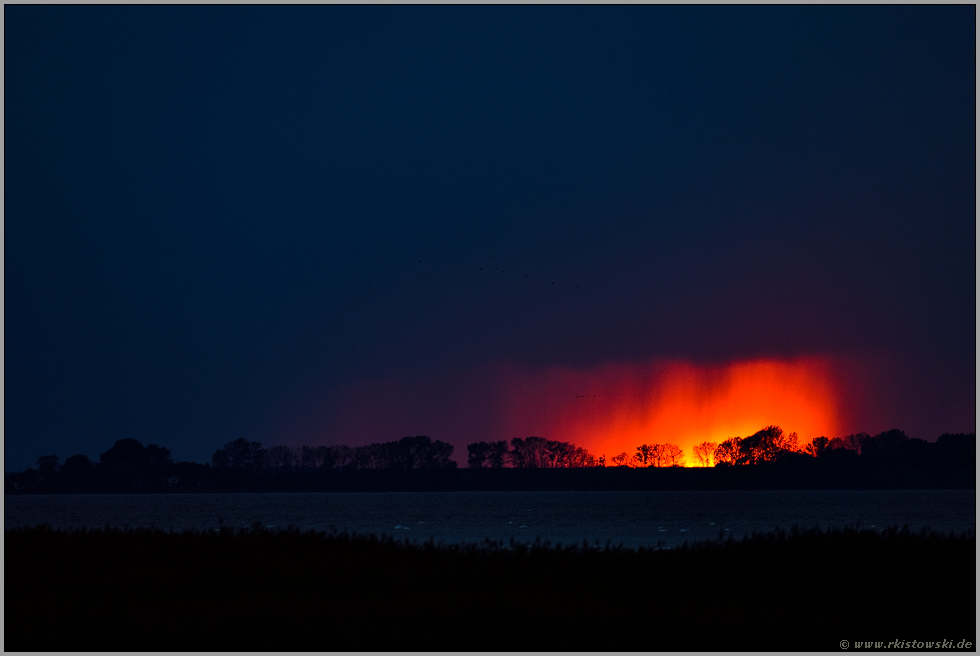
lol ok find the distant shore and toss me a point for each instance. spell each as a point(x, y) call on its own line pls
point(766, 460)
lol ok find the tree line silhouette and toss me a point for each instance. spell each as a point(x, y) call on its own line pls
point(530, 453)
point(129, 466)
point(888, 458)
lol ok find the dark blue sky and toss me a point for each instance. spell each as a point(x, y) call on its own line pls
point(214, 216)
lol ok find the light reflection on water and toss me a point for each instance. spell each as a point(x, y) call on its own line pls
point(632, 519)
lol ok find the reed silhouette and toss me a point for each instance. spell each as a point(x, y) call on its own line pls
point(287, 590)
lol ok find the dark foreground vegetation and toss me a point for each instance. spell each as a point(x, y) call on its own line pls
point(281, 591)
point(768, 459)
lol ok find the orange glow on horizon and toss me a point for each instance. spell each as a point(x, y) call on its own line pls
point(617, 407)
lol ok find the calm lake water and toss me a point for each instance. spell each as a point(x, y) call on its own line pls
point(630, 518)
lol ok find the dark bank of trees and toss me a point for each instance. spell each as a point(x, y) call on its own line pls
point(239, 465)
point(530, 453)
point(651, 455)
point(768, 445)
point(887, 449)
point(127, 466)
point(410, 461)
point(772, 445)
point(291, 591)
point(768, 458)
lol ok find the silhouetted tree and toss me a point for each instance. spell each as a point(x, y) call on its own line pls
point(324, 457)
point(646, 455)
point(729, 451)
point(400, 454)
point(343, 457)
point(884, 446)
point(537, 452)
point(760, 446)
point(125, 452)
point(369, 456)
point(280, 457)
point(239, 460)
point(311, 458)
point(27, 480)
point(622, 460)
point(418, 452)
point(487, 454)
point(669, 455)
point(558, 454)
point(192, 475)
point(245, 455)
point(123, 464)
point(157, 456)
point(766, 446)
point(220, 459)
point(498, 454)
point(838, 457)
point(529, 452)
point(77, 472)
point(130, 465)
point(157, 464)
point(478, 453)
point(850, 442)
point(421, 452)
point(791, 442)
point(705, 452)
point(48, 467)
point(817, 446)
point(565, 455)
point(582, 458)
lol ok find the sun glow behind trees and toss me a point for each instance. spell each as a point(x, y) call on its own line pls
point(617, 407)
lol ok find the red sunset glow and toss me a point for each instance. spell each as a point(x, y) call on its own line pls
point(615, 408)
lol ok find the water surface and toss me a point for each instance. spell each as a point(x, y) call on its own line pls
point(629, 518)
